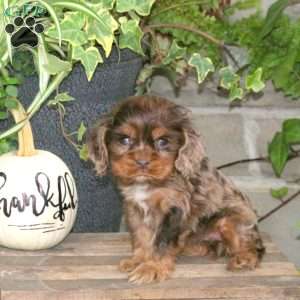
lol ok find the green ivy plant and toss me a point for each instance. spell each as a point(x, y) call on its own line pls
point(239, 56)
point(185, 37)
point(75, 30)
point(281, 147)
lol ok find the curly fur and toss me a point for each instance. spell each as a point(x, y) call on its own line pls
point(175, 201)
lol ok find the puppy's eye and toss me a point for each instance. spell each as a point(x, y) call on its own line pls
point(125, 140)
point(161, 143)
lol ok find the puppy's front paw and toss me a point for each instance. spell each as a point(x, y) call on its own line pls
point(148, 272)
point(243, 261)
point(128, 264)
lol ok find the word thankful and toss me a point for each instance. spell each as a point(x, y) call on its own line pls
point(44, 199)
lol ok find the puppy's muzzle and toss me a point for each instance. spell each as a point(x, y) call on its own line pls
point(142, 163)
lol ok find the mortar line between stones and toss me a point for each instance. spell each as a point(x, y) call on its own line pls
point(251, 131)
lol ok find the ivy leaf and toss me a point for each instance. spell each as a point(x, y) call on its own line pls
point(83, 153)
point(11, 80)
point(60, 98)
point(175, 52)
point(278, 153)
point(4, 145)
point(291, 130)
point(131, 35)
point(143, 8)
point(274, 12)
point(254, 82)
point(97, 31)
point(11, 91)
point(89, 57)
point(279, 193)
point(3, 115)
point(71, 27)
point(55, 65)
point(81, 131)
point(229, 79)
point(11, 103)
point(203, 66)
point(2, 92)
point(236, 93)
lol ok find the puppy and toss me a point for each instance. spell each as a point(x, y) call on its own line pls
point(175, 201)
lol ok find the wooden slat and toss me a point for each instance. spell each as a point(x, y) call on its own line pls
point(76, 272)
point(123, 284)
point(244, 293)
point(96, 245)
point(84, 266)
point(112, 260)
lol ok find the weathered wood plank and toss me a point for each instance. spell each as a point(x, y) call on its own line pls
point(93, 247)
point(112, 260)
point(78, 272)
point(84, 266)
point(123, 284)
point(247, 293)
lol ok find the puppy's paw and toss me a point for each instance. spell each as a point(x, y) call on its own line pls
point(243, 261)
point(128, 264)
point(148, 272)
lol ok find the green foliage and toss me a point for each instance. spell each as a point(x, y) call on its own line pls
point(8, 144)
point(291, 129)
point(175, 52)
point(81, 131)
point(281, 144)
point(254, 82)
point(141, 7)
point(89, 57)
point(228, 78)
point(71, 26)
point(276, 54)
point(8, 101)
point(83, 153)
point(264, 48)
point(75, 32)
point(274, 12)
point(60, 100)
point(278, 152)
point(203, 66)
point(131, 35)
point(188, 13)
point(279, 193)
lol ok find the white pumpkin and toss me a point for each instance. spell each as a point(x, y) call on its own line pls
point(38, 197)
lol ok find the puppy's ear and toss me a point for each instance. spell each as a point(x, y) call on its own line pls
point(97, 148)
point(191, 154)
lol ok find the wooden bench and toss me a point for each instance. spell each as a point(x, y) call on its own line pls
point(84, 266)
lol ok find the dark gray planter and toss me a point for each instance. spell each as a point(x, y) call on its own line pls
point(99, 202)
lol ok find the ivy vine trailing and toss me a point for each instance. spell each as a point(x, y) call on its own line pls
point(74, 31)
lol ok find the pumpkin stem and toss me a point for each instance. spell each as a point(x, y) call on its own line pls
point(25, 137)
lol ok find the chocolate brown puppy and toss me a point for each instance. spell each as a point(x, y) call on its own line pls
point(175, 202)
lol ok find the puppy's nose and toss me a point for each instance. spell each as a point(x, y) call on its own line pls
point(142, 162)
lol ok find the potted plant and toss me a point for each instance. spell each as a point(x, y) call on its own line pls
point(87, 52)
